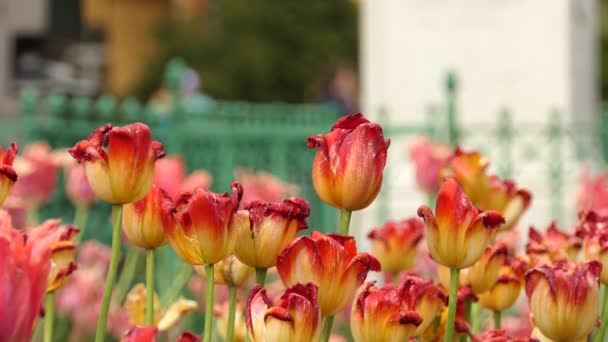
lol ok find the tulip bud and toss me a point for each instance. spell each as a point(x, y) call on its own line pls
point(8, 176)
point(124, 172)
point(484, 273)
point(503, 294)
point(458, 233)
point(263, 229)
point(330, 261)
point(429, 157)
point(469, 170)
point(564, 299)
point(63, 252)
point(382, 314)
point(504, 197)
point(595, 247)
point(347, 171)
point(77, 187)
point(395, 244)
point(295, 317)
point(199, 229)
point(229, 271)
point(142, 221)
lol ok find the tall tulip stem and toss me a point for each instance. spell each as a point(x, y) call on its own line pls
point(260, 276)
point(80, 220)
point(100, 334)
point(344, 221)
point(149, 286)
point(209, 302)
point(49, 316)
point(475, 317)
point(453, 299)
point(602, 332)
point(497, 317)
point(327, 324)
point(467, 314)
point(231, 312)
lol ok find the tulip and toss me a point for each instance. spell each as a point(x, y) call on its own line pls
point(504, 197)
point(469, 170)
point(8, 176)
point(330, 261)
point(383, 314)
point(564, 299)
point(457, 236)
point(200, 231)
point(458, 233)
point(263, 186)
point(593, 193)
point(230, 271)
point(142, 220)
point(124, 172)
point(222, 313)
point(295, 317)
point(589, 222)
point(499, 336)
point(429, 157)
point(504, 293)
point(482, 275)
point(170, 175)
point(25, 261)
point(553, 246)
point(141, 334)
point(537, 336)
point(188, 337)
point(37, 177)
point(77, 187)
point(347, 170)
point(63, 252)
point(595, 247)
point(395, 244)
point(119, 175)
point(263, 229)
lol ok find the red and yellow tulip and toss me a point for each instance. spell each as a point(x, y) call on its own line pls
point(8, 176)
point(142, 221)
point(395, 244)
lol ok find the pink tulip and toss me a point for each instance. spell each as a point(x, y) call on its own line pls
point(37, 172)
point(263, 186)
point(593, 193)
point(170, 175)
point(77, 187)
point(429, 157)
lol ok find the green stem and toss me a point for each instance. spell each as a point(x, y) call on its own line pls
point(149, 286)
point(327, 324)
point(209, 302)
point(475, 318)
point(344, 221)
point(100, 334)
point(32, 217)
point(497, 316)
point(182, 278)
point(127, 274)
point(80, 220)
point(467, 316)
point(602, 332)
point(49, 316)
point(260, 276)
point(231, 312)
point(453, 299)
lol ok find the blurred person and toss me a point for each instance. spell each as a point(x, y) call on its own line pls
point(341, 90)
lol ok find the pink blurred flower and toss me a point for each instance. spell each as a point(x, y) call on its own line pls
point(593, 192)
point(77, 187)
point(428, 157)
point(25, 265)
point(263, 186)
point(37, 171)
point(141, 334)
point(170, 175)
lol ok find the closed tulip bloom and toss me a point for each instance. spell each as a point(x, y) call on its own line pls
point(426, 298)
point(458, 233)
point(383, 314)
point(395, 244)
point(230, 271)
point(503, 294)
point(199, 228)
point(484, 273)
point(37, 170)
point(294, 317)
point(8, 176)
point(469, 170)
point(331, 261)
point(263, 229)
point(63, 253)
point(142, 221)
point(122, 173)
point(141, 334)
point(595, 247)
point(348, 167)
point(504, 197)
point(77, 187)
point(564, 299)
point(429, 157)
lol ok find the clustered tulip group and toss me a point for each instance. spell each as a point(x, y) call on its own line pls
point(445, 269)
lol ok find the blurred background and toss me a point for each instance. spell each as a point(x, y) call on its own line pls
point(240, 84)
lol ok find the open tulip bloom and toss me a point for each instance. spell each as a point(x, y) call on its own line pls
point(8, 176)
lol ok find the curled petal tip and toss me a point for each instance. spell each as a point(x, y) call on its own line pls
point(159, 149)
point(408, 317)
point(425, 212)
point(350, 121)
point(314, 141)
point(492, 219)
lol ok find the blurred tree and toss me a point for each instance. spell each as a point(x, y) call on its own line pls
point(261, 50)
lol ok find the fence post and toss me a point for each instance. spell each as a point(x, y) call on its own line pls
point(556, 164)
point(504, 134)
point(383, 211)
point(451, 87)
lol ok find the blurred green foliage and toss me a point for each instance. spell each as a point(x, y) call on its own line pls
point(261, 50)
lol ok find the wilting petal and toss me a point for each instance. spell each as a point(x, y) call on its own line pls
point(175, 312)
